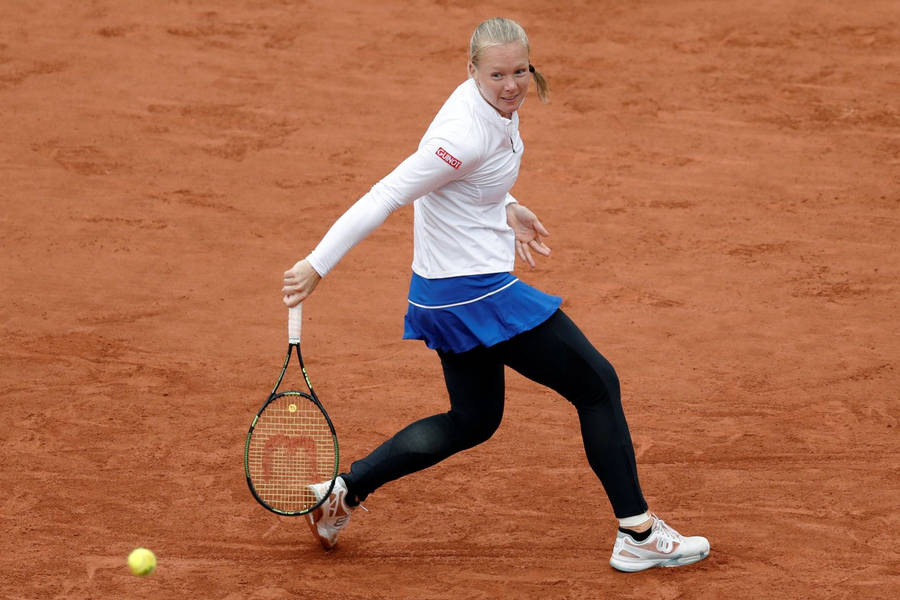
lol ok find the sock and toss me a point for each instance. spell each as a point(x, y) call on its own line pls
point(635, 520)
point(351, 499)
point(638, 537)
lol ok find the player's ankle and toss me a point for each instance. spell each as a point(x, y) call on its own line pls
point(638, 523)
point(638, 536)
point(351, 499)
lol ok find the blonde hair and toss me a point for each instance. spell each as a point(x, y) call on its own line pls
point(497, 32)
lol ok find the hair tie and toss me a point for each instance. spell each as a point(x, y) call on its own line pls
point(531, 67)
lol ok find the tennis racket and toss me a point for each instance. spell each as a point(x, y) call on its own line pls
point(291, 443)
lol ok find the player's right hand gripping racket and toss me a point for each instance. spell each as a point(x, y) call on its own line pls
point(291, 443)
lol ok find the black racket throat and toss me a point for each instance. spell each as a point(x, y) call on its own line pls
point(294, 347)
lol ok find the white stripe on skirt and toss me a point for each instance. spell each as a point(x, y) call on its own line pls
point(466, 301)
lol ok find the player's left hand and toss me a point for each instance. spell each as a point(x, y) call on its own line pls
point(528, 230)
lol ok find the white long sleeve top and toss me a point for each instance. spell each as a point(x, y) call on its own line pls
point(459, 181)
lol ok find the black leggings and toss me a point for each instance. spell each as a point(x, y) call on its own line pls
point(555, 354)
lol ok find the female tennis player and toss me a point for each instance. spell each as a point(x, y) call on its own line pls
point(465, 303)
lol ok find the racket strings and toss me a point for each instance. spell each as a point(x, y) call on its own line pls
point(292, 447)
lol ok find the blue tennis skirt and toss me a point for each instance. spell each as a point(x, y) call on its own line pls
point(456, 314)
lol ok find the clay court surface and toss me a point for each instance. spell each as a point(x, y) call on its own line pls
point(722, 185)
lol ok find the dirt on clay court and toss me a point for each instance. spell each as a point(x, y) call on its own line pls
point(722, 185)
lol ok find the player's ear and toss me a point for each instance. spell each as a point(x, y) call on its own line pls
point(472, 70)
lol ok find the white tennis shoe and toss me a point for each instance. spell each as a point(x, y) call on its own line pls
point(327, 521)
point(664, 548)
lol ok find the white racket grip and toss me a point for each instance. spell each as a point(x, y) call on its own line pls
point(295, 320)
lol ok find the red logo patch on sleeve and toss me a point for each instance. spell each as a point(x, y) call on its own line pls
point(449, 158)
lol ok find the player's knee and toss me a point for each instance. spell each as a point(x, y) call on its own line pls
point(482, 433)
point(600, 386)
point(472, 430)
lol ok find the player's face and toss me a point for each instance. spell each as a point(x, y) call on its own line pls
point(502, 76)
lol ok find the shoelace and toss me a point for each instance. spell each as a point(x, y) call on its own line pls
point(334, 506)
point(665, 536)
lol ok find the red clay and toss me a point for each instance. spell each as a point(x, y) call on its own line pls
point(721, 184)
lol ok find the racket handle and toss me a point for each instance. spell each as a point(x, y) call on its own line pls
point(295, 320)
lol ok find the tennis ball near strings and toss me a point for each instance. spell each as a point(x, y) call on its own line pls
point(142, 562)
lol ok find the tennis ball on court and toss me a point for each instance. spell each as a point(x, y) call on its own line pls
point(142, 562)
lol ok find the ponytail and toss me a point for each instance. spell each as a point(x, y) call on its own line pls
point(543, 89)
